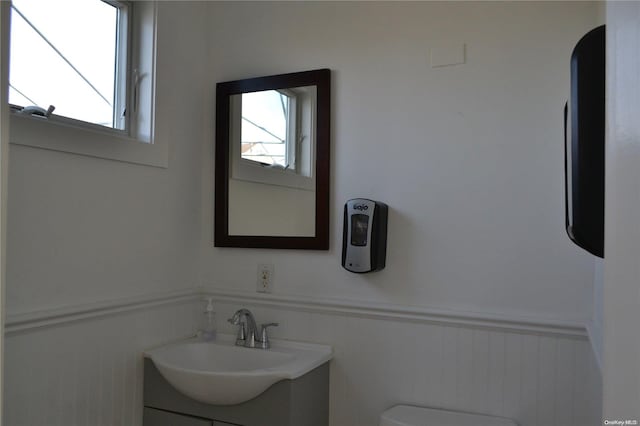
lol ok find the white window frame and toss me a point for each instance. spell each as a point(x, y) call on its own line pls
point(291, 138)
point(124, 62)
point(300, 176)
point(134, 144)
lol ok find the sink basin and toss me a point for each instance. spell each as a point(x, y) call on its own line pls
point(220, 373)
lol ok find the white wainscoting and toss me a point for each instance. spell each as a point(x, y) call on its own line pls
point(538, 378)
point(81, 367)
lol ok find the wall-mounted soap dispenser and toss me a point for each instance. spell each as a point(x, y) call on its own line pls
point(364, 235)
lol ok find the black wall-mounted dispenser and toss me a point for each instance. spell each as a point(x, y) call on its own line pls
point(584, 119)
point(364, 235)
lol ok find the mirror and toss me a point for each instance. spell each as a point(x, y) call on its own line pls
point(272, 161)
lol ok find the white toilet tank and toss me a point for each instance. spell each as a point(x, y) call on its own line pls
point(406, 415)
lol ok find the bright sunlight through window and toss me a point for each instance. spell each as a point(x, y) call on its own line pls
point(70, 54)
point(265, 119)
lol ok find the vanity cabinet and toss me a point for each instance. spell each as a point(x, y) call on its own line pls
point(300, 402)
point(166, 418)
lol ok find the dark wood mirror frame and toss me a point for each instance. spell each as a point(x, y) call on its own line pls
point(322, 80)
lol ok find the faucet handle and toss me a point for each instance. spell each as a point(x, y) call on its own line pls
point(264, 338)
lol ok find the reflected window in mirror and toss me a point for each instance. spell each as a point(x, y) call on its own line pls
point(272, 137)
point(268, 127)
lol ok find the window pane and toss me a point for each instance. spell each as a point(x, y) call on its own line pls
point(264, 127)
point(84, 33)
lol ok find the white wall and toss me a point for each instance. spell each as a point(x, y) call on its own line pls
point(83, 229)
point(596, 324)
point(85, 233)
point(621, 353)
point(470, 160)
point(469, 157)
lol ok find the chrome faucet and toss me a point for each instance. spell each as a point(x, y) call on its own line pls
point(248, 330)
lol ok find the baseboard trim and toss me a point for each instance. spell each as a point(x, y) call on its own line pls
point(28, 321)
point(404, 313)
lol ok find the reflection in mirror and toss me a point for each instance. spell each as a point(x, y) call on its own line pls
point(272, 142)
point(275, 179)
point(269, 131)
point(264, 135)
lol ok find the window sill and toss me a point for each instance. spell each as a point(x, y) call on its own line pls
point(108, 144)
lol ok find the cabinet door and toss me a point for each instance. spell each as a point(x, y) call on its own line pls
point(153, 417)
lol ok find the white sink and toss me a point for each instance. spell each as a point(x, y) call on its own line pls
point(221, 373)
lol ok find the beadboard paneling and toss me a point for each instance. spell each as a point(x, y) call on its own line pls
point(87, 372)
point(536, 379)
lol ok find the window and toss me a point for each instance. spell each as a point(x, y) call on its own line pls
point(71, 54)
point(94, 61)
point(272, 137)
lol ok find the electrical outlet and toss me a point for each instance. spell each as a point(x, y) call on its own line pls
point(265, 278)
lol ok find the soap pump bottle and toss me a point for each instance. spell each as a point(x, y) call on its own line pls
point(208, 325)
